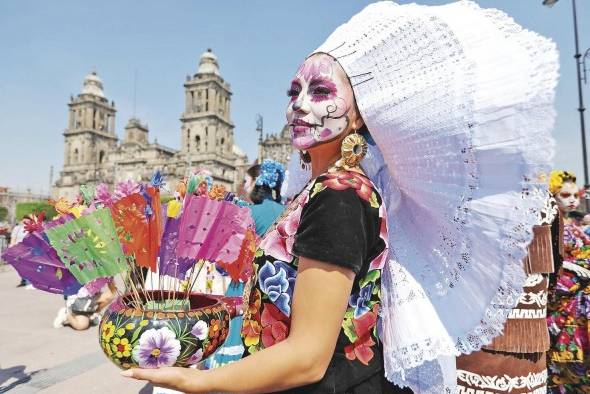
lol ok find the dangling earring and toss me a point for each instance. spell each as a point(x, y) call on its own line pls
point(353, 150)
point(304, 159)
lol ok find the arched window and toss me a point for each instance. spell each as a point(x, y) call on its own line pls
point(101, 157)
point(198, 142)
point(188, 139)
point(76, 156)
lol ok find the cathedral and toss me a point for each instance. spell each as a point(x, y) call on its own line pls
point(93, 153)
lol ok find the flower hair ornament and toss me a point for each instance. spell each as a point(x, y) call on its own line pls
point(272, 174)
point(557, 178)
point(458, 102)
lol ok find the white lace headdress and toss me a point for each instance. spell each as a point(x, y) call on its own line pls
point(459, 101)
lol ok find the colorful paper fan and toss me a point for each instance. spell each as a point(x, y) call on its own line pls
point(88, 246)
point(137, 219)
point(169, 263)
point(212, 230)
point(35, 260)
point(240, 270)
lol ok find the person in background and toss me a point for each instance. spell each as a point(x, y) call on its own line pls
point(569, 294)
point(17, 235)
point(85, 307)
point(263, 185)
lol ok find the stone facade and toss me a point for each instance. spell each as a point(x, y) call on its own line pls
point(93, 153)
point(277, 146)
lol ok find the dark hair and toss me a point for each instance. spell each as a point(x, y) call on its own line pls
point(262, 192)
point(568, 177)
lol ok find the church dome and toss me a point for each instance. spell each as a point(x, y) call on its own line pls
point(93, 85)
point(208, 63)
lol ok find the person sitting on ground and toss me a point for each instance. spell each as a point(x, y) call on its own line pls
point(84, 308)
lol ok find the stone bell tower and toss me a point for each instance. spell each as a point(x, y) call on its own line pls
point(207, 138)
point(88, 138)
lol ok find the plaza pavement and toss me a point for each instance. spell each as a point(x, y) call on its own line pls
point(37, 358)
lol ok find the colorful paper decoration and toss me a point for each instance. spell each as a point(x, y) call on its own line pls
point(35, 260)
point(212, 230)
point(169, 263)
point(88, 246)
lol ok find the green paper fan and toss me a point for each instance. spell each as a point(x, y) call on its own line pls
point(88, 246)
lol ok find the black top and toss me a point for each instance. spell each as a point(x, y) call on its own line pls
point(338, 219)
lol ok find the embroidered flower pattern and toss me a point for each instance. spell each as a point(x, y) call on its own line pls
point(267, 320)
point(275, 325)
point(343, 180)
point(277, 280)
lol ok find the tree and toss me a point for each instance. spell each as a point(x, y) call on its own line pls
point(3, 213)
point(26, 208)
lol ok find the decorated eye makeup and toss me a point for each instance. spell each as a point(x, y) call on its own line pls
point(294, 90)
point(321, 90)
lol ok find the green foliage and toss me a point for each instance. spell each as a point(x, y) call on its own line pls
point(3, 213)
point(26, 208)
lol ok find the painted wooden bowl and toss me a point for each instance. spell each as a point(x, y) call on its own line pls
point(158, 337)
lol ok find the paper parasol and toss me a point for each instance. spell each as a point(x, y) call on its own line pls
point(88, 246)
point(38, 262)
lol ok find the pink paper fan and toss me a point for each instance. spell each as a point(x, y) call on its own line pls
point(212, 230)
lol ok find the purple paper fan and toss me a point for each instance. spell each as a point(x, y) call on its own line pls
point(170, 264)
point(38, 262)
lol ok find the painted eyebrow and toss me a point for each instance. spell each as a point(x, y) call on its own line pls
point(319, 80)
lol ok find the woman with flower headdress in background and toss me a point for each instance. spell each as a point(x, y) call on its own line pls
point(569, 299)
point(426, 129)
point(263, 185)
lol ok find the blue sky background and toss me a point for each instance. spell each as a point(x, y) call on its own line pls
point(47, 47)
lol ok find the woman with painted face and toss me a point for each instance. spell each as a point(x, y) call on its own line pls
point(569, 297)
point(567, 194)
point(423, 135)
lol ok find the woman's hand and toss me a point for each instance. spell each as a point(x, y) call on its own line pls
point(167, 377)
point(320, 299)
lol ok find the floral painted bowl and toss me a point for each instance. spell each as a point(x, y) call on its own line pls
point(131, 337)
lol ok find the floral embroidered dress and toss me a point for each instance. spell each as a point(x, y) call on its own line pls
point(338, 218)
point(569, 318)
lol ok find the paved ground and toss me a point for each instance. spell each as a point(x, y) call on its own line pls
point(35, 357)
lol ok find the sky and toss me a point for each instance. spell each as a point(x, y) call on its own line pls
point(47, 48)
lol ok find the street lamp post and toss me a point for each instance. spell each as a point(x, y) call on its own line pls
point(580, 61)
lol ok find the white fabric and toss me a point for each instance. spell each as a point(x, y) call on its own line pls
point(295, 177)
point(459, 100)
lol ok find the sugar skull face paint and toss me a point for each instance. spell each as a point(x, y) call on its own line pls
point(568, 198)
point(321, 102)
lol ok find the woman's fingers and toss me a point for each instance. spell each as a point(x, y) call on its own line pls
point(163, 377)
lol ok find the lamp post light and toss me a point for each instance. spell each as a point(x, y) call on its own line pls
point(580, 63)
